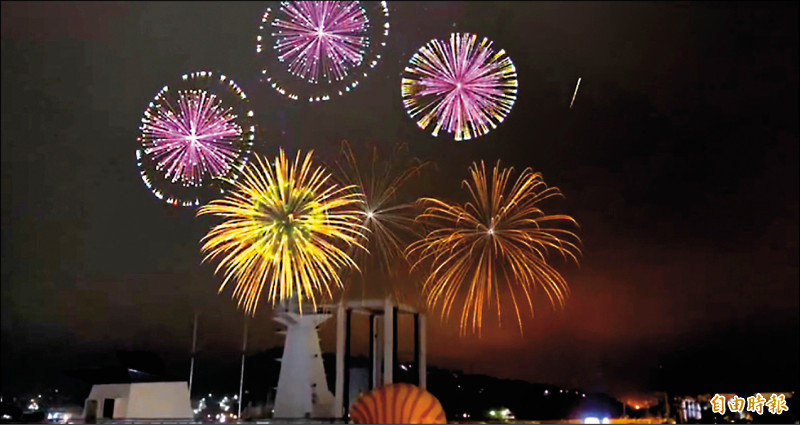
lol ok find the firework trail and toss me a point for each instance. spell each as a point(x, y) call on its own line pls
point(576, 92)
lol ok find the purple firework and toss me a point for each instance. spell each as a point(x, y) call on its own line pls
point(193, 139)
point(463, 86)
point(193, 133)
point(325, 46)
point(321, 36)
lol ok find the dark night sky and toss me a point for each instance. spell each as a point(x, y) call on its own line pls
point(679, 159)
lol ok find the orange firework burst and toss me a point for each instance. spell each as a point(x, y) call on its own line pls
point(500, 237)
point(389, 221)
point(284, 226)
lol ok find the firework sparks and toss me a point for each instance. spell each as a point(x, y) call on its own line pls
point(576, 93)
point(388, 220)
point(322, 43)
point(320, 36)
point(464, 87)
point(285, 224)
point(192, 133)
point(500, 238)
point(194, 139)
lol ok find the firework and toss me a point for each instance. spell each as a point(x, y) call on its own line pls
point(577, 85)
point(464, 87)
point(194, 133)
point(386, 217)
point(321, 47)
point(500, 238)
point(286, 228)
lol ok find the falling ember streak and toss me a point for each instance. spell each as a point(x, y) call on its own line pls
point(576, 92)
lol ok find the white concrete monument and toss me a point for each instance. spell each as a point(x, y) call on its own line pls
point(302, 389)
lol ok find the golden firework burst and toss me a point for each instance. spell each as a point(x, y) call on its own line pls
point(389, 219)
point(288, 228)
point(500, 237)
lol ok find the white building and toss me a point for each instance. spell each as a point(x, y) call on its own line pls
point(141, 400)
point(302, 389)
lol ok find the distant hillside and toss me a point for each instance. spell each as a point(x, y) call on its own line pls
point(474, 395)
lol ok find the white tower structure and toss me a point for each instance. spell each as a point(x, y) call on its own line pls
point(302, 389)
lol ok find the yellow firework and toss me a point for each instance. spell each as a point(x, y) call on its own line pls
point(287, 229)
point(499, 238)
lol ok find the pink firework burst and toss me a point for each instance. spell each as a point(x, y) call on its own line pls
point(194, 134)
point(193, 139)
point(327, 37)
point(313, 50)
point(464, 87)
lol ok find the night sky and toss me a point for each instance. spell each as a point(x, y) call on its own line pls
point(679, 160)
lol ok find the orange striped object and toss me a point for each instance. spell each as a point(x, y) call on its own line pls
point(397, 404)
